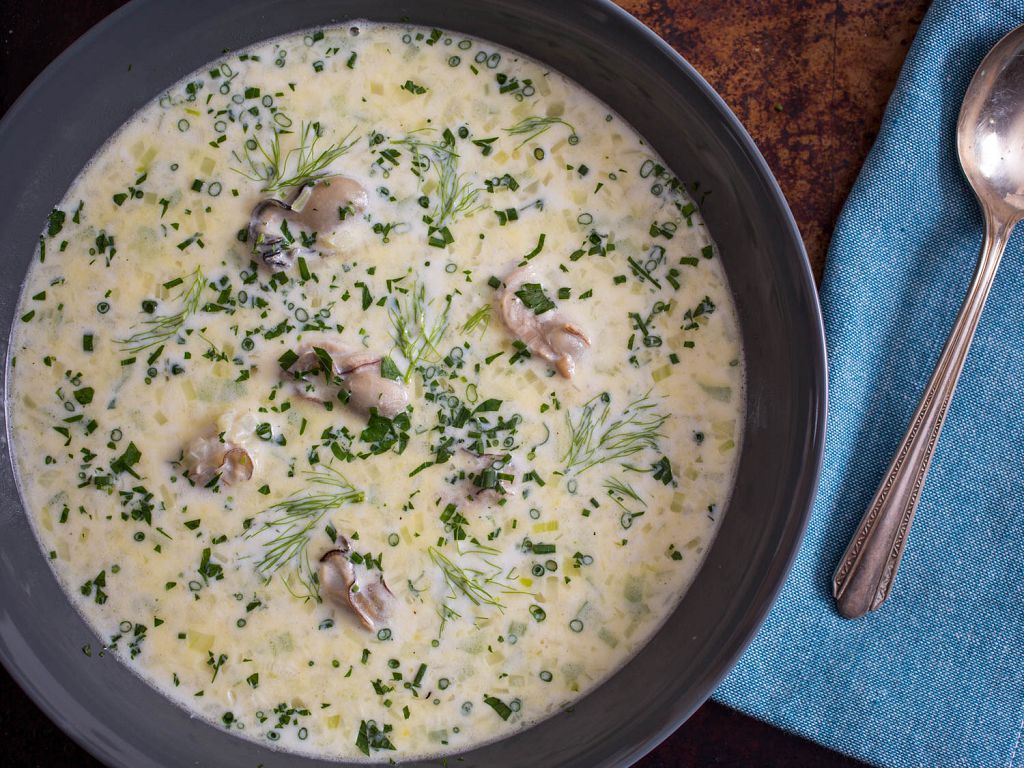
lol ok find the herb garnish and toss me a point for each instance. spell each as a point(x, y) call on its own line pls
point(534, 126)
point(481, 318)
point(300, 165)
point(594, 439)
point(373, 737)
point(470, 579)
point(163, 328)
point(412, 87)
point(504, 710)
point(455, 195)
point(693, 317)
point(533, 296)
point(293, 521)
point(414, 333)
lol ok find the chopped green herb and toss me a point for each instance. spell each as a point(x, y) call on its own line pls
point(412, 87)
point(533, 296)
point(504, 710)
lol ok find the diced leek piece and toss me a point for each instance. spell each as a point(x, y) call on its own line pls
point(659, 374)
point(199, 641)
point(607, 637)
point(721, 393)
point(282, 643)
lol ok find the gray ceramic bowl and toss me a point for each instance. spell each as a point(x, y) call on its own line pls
point(89, 91)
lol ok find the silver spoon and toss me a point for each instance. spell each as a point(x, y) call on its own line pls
point(990, 142)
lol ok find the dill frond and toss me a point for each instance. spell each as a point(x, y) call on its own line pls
point(305, 576)
point(291, 524)
point(620, 492)
point(471, 582)
point(420, 148)
point(479, 319)
point(447, 614)
point(456, 196)
point(475, 577)
point(623, 490)
point(163, 328)
point(596, 438)
point(416, 335)
point(534, 126)
point(300, 165)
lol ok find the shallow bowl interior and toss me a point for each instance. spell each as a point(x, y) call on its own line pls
point(132, 56)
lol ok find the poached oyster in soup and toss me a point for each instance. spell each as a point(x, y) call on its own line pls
point(376, 392)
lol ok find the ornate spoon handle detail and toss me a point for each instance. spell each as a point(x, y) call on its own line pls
point(864, 577)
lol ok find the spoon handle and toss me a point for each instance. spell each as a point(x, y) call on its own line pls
point(865, 573)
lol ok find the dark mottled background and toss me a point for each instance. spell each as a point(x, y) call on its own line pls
point(808, 78)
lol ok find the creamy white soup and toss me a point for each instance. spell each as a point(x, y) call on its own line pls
point(376, 392)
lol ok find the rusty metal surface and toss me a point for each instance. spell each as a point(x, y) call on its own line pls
point(808, 78)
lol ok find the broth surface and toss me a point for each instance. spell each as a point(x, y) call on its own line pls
point(498, 370)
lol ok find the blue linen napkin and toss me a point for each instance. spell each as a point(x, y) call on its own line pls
point(936, 676)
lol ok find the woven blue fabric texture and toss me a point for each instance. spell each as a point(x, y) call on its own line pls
point(936, 676)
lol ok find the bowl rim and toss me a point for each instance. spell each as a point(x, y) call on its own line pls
point(805, 492)
point(802, 495)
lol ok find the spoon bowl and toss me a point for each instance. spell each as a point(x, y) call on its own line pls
point(990, 131)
